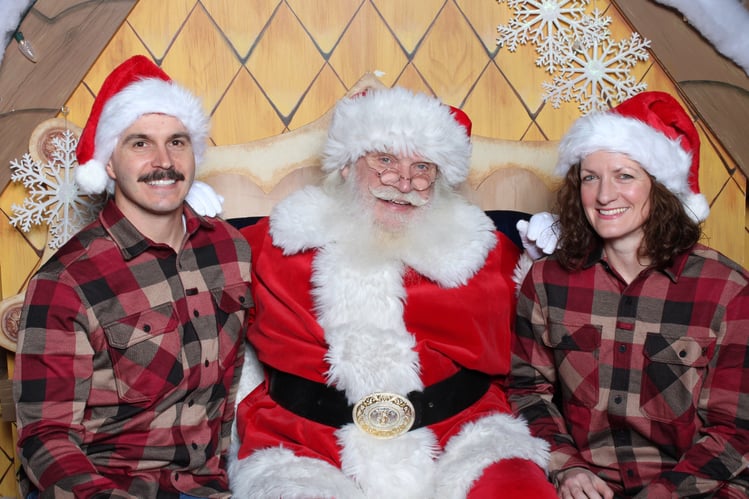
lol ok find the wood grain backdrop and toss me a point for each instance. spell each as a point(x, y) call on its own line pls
point(264, 67)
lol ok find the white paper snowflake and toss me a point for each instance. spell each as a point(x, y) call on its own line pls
point(576, 48)
point(53, 195)
point(597, 74)
point(547, 24)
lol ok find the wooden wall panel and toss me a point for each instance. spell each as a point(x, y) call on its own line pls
point(63, 32)
point(269, 66)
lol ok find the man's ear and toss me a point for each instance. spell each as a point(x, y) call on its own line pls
point(110, 170)
point(345, 171)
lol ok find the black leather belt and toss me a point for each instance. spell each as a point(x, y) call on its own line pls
point(327, 405)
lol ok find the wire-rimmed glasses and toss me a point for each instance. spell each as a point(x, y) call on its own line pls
point(422, 174)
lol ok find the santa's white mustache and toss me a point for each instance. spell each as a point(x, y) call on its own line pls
point(386, 193)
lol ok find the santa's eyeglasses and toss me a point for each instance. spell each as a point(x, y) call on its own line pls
point(422, 174)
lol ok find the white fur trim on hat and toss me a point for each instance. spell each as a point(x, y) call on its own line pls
point(662, 157)
point(150, 95)
point(398, 121)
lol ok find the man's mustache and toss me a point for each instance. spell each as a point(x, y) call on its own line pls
point(156, 175)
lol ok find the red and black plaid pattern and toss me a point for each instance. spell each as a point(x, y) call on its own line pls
point(129, 357)
point(646, 383)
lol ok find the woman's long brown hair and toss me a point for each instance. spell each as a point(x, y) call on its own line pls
point(668, 230)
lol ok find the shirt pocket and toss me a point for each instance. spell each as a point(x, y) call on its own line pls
point(576, 348)
point(146, 353)
point(673, 374)
point(232, 303)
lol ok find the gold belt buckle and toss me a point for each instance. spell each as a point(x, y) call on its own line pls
point(384, 415)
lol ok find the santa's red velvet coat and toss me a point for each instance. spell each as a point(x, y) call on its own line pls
point(331, 310)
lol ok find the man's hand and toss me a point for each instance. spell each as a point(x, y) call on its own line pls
point(579, 483)
point(539, 234)
point(204, 200)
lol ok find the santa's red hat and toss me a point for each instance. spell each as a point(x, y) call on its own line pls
point(135, 87)
point(651, 128)
point(401, 122)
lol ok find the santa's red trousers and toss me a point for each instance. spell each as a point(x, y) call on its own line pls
point(513, 479)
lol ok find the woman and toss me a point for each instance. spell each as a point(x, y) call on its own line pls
point(631, 354)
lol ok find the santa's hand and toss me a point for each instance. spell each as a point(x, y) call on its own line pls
point(539, 234)
point(204, 200)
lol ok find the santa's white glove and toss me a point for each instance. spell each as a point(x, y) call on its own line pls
point(539, 234)
point(204, 200)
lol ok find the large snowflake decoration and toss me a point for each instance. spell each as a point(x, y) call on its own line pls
point(577, 49)
point(597, 74)
point(547, 24)
point(53, 195)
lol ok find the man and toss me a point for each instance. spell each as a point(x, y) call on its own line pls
point(384, 309)
point(131, 340)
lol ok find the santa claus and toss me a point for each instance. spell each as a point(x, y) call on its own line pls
point(384, 312)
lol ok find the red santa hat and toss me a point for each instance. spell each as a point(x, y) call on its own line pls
point(135, 87)
point(651, 128)
point(401, 122)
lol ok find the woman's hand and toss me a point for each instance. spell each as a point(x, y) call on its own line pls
point(579, 483)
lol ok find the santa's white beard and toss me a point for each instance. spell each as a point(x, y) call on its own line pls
point(394, 235)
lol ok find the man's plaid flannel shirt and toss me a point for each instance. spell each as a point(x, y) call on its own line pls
point(128, 361)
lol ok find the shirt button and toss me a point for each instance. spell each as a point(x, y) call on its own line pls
point(630, 473)
point(195, 313)
point(241, 299)
point(190, 403)
point(618, 399)
point(146, 328)
point(206, 363)
point(194, 445)
point(683, 354)
point(622, 348)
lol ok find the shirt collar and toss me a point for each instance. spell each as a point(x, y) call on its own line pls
point(129, 239)
point(673, 271)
